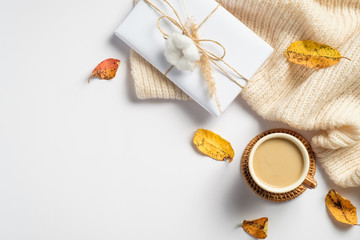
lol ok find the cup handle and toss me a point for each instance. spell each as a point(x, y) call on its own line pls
point(310, 182)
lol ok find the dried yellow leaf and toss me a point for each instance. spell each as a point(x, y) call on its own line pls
point(257, 228)
point(312, 54)
point(341, 208)
point(213, 145)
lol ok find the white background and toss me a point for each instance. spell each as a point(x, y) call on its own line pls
point(90, 161)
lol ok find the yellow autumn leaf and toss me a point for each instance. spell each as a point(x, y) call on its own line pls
point(341, 208)
point(213, 145)
point(257, 228)
point(312, 54)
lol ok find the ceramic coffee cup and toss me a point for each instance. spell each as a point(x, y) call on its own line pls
point(304, 177)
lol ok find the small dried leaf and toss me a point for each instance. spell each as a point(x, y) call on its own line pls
point(213, 145)
point(106, 69)
point(312, 54)
point(341, 208)
point(257, 228)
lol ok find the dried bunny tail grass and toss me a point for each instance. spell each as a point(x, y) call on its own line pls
point(192, 28)
point(205, 63)
point(207, 71)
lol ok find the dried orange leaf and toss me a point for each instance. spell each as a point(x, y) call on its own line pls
point(213, 145)
point(106, 69)
point(341, 208)
point(312, 54)
point(257, 228)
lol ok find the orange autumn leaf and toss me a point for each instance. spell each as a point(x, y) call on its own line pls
point(312, 54)
point(106, 69)
point(341, 208)
point(257, 228)
point(213, 145)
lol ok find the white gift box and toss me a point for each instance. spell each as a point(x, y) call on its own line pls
point(245, 51)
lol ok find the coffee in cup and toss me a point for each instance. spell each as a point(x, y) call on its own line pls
point(279, 163)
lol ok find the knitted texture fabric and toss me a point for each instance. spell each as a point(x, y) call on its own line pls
point(326, 100)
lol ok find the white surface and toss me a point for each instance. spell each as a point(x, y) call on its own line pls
point(140, 31)
point(90, 161)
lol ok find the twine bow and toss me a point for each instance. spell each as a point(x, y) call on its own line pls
point(190, 29)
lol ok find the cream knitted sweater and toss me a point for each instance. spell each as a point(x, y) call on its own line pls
point(327, 100)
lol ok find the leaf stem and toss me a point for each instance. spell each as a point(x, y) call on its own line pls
point(346, 58)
